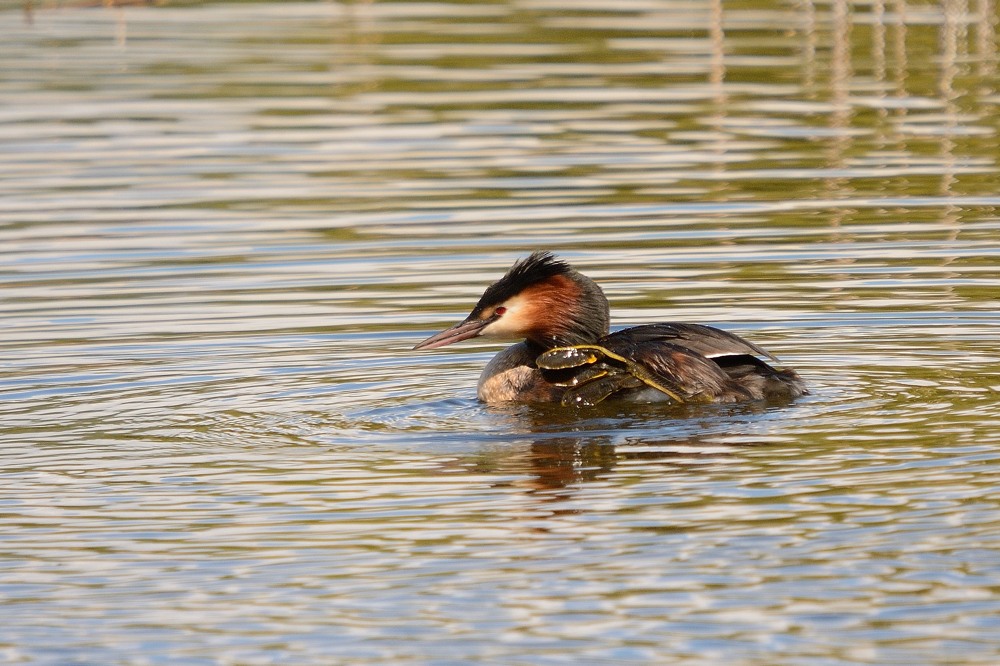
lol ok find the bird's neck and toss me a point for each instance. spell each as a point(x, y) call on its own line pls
point(580, 319)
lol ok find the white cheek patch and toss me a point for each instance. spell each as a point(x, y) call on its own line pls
point(512, 323)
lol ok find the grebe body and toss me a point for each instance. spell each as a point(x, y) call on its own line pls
point(568, 355)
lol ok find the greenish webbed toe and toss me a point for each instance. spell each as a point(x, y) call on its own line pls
point(564, 358)
point(578, 376)
point(591, 393)
point(607, 373)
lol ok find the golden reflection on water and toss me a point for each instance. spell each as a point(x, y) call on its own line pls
point(225, 224)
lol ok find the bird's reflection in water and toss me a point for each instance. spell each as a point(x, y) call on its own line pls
point(567, 448)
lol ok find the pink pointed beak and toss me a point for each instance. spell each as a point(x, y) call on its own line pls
point(469, 328)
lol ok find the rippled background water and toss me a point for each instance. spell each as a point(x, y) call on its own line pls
point(223, 225)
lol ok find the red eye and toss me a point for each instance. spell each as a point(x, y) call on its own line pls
point(499, 311)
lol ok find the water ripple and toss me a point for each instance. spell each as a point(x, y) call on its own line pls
point(224, 225)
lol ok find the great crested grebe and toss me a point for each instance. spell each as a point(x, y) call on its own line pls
point(569, 356)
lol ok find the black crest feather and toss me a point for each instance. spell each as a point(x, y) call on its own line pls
point(534, 268)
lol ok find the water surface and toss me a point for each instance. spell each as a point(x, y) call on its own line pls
point(223, 226)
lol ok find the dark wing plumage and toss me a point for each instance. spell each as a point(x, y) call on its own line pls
point(704, 340)
point(706, 361)
point(689, 363)
point(687, 371)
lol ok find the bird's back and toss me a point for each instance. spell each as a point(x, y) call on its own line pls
point(707, 364)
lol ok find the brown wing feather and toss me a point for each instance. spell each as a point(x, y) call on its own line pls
point(704, 340)
point(683, 369)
